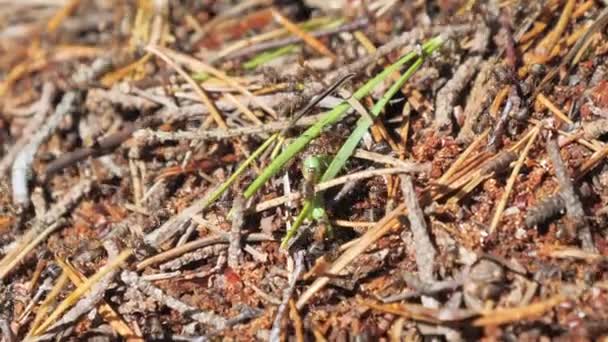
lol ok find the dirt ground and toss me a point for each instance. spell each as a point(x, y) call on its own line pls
point(339, 170)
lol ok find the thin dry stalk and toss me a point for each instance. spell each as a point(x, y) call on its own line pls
point(511, 181)
point(43, 106)
point(196, 244)
point(313, 42)
point(449, 94)
point(332, 183)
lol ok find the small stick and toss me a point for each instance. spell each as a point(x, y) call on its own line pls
point(193, 256)
point(495, 140)
point(574, 208)
point(147, 136)
point(43, 106)
point(234, 249)
point(425, 251)
point(449, 94)
point(275, 332)
point(21, 170)
point(103, 146)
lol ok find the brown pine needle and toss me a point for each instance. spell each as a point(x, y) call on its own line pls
point(80, 290)
point(511, 181)
point(217, 117)
point(313, 42)
point(116, 75)
point(105, 310)
point(508, 315)
point(50, 298)
point(463, 157)
point(556, 111)
point(551, 39)
point(63, 13)
point(199, 66)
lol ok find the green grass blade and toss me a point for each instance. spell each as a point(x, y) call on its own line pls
point(330, 118)
point(364, 123)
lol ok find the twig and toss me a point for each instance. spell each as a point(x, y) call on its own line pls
point(205, 317)
point(448, 96)
point(234, 248)
point(103, 146)
point(147, 136)
point(42, 107)
point(545, 210)
point(196, 244)
point(574, 208)
point(275, 332)
point(425, 251)
point(21, 170)
point(199, 254)
point(384, 159)
point(427, 289)
point(174, 225)
point(495, 140)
